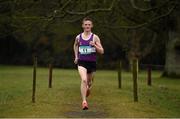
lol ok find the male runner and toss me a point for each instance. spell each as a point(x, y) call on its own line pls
point(86, 46)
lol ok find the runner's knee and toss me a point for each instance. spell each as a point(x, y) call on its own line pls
point(84, 80)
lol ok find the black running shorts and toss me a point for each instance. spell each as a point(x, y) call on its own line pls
point(89, 65)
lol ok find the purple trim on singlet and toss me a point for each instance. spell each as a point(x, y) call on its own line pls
point(86, 57)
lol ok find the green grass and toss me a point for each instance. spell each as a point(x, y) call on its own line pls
point(162, 99)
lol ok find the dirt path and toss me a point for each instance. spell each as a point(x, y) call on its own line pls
point(94, 111)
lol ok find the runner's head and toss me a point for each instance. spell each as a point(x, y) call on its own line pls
point(87, 24)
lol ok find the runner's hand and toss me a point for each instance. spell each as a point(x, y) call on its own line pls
point(92, 43)
point(75, 60)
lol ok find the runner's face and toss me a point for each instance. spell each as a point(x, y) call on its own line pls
point(87, 26)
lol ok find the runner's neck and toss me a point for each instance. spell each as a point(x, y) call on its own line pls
point(87, 33)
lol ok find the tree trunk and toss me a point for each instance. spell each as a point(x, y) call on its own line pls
point(172, 64)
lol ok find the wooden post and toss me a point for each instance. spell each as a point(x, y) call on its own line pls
point(135, 77)
point(119, 74)
point(34, 79)
point(149, 75)
point(50, 75)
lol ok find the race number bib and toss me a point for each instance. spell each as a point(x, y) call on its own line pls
point(84, 50)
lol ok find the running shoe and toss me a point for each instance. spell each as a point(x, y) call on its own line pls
point(84, 105)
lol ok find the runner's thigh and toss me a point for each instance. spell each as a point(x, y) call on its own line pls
point(82, 72)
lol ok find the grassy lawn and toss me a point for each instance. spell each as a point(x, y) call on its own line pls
point(162, 99)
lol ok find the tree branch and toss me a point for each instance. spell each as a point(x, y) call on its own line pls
point(73, 20)
point(92, 10)
point(148, 9)
point(148, 49)
point(48, 18)
point(64, 6)
point(143, 24)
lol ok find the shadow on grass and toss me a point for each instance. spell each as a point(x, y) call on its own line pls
point(93, 112)
point(85, 114)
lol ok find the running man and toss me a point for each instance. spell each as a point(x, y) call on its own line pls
point(86, 46)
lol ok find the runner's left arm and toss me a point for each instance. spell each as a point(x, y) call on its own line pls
point(97, 45)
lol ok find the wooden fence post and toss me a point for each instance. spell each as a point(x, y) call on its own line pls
point(135, 78)
point(149, 79)
point(34, 79)
point(119, 74)
point(50, 75)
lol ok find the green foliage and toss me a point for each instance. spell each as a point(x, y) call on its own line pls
point(26, 21)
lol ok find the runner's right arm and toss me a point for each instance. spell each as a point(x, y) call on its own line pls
point(76, 50)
